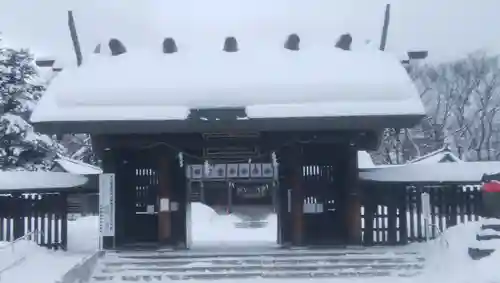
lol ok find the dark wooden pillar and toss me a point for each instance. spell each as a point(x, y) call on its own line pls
point(18, 210)
point(403, 221)
point(353, 197)
point(296, 183)
point(179, 197)
point(392, 215)
point(370, 206)
point(165, 196)
point(284, 197)
point(63, 206)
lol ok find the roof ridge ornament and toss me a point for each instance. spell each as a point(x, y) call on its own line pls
point(116, 47)
point(230, 44)
point(293, 42)
point(97, 49)
point(344, 42)
point(169, 46)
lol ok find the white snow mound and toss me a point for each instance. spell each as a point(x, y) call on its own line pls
point(209, 228)
point(453, 264)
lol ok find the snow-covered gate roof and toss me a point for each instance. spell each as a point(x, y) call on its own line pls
point(269, 84)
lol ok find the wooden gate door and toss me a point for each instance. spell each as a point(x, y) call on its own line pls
point(323, 210)
point(140, 198)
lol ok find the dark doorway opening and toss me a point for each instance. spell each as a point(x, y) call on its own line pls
point(238, 208)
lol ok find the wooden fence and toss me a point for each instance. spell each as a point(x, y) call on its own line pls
point(24, 213)
point(392, 213)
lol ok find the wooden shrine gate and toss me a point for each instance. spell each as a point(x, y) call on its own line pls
point(310, 186)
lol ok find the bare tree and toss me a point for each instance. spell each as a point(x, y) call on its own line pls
point(462, 100)
point(400, 145)
point(435, 93)
point(475, 104)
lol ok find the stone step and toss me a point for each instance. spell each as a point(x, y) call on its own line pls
point(252, 254)
point(253, 275)
point(262, 261)
point(257, 263)
point(495, 227)
point(487, 237)
point(247, 268)
point(479, 253)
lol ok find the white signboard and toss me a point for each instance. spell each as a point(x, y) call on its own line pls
point(164, 204)
point(426, 211)
point(107, 205)
point(426, 205)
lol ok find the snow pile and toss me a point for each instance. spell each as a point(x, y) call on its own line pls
point(11, 256)
point(209, 228)
point(83, 235)
point(452, 263)
point(35, 263)
point(365, 161)
point(47, 266)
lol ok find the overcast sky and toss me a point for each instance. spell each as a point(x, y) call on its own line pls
point(447, 28)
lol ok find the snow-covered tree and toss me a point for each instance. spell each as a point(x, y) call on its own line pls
point(79, 147)
point(21, 147)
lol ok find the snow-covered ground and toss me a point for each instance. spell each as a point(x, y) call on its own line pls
point(447, 258)
point(28, 262)
point(450, 262)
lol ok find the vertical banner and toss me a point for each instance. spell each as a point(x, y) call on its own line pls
point(107, 205)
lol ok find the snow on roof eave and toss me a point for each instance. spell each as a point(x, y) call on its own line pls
point(28, 181)
point(465, 172)
point(444, 151)
point(365, 160)
point(355, 123)
point(77, 167)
